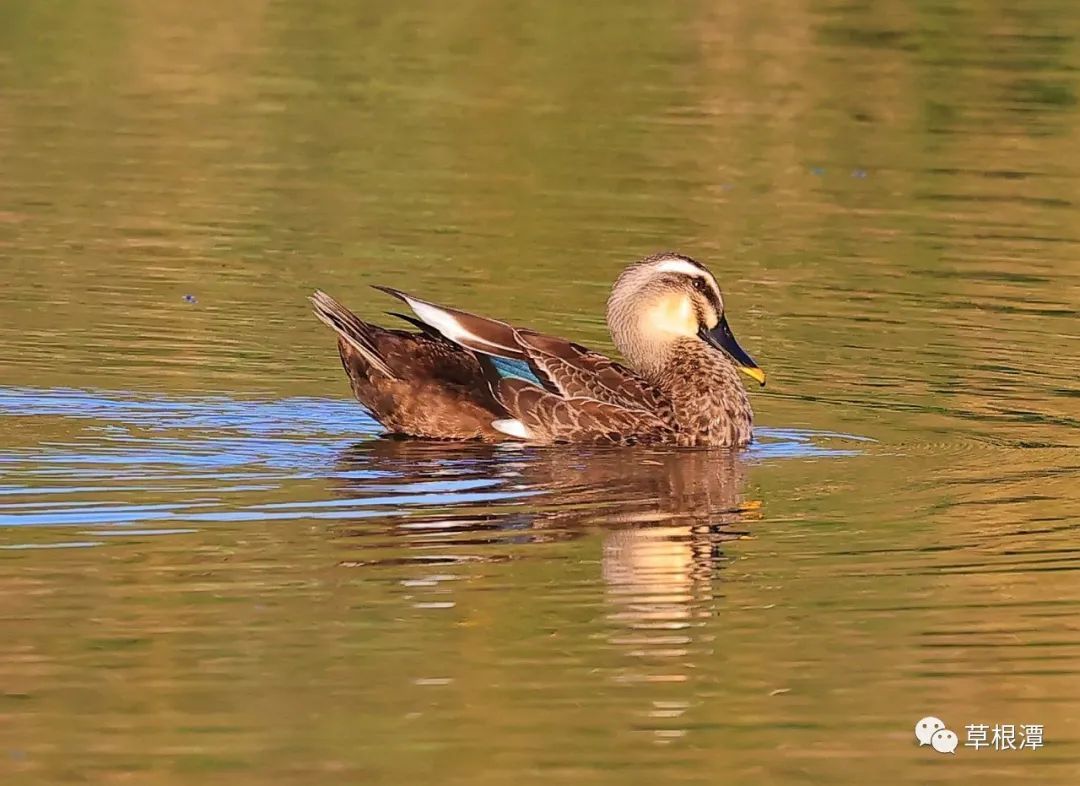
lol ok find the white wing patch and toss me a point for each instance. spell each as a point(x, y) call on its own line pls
point(439, 319)
point(512, 428)
point(449, 325)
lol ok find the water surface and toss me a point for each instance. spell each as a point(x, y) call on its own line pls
point(214, 570)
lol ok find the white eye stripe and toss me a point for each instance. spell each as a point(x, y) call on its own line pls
point(689, 269)
point(680, 266)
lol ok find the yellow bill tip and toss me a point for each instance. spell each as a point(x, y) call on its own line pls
point(754, 373)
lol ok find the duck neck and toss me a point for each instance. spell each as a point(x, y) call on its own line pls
point(709, 403)
point(690, 364)
point(643, 352)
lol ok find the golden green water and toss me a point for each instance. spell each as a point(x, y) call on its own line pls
point(213, 570)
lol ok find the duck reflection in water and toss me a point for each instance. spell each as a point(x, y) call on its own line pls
point(663, 515)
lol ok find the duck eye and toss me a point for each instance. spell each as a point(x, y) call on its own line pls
point(699, 285)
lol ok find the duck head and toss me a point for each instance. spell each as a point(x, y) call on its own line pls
point(662, 301)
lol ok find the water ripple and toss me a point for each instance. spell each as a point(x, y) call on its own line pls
point(196, 461)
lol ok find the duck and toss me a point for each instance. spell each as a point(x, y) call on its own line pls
point(460, 376)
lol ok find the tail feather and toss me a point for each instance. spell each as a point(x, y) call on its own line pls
point(351, 328)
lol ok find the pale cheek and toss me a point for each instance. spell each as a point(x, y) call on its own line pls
point(675, 317)
point(687, 320)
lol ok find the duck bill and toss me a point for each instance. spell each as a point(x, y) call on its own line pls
point(722, 338)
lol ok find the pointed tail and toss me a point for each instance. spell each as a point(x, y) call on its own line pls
point(351, 328)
